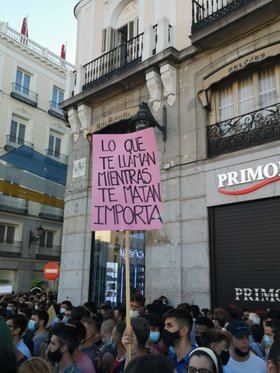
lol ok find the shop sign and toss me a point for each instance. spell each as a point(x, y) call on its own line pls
point(263, 175)
point(114, 118)
point(139, 254)
point(126, 190)
point(257, 295)
point(242, 63)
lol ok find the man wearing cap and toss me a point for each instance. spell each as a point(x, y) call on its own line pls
point(242, 360)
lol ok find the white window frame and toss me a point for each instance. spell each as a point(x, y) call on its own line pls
point(55, 104)
point(215, 98)
point(20, 86)
point(6, 225)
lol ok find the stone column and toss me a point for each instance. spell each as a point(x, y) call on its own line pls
point(80, 79)
point(77, 235)
point(163, 32)
point(148, 43)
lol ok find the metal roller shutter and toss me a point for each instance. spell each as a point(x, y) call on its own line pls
point(245, 254)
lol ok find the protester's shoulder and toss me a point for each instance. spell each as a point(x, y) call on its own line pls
point(257, 360)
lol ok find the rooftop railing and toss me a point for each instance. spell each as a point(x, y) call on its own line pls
point(34, 47)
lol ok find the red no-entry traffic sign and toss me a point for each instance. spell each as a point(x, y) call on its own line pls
point(51, 271)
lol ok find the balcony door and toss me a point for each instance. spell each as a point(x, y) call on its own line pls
point(17, 132)
point(126, 36)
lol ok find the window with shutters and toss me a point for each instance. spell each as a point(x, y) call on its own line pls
point(112, 38)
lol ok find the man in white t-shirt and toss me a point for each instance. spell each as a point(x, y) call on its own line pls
point(242, 360)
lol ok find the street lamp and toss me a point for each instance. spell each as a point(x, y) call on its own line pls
point(33, 238)
point(145, 119)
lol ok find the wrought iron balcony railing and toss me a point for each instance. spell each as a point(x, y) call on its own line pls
point(206, 12)
point(62, 158)
point(46, 252)
point(24, 94)
point(55, 110)
point(252, 129)
point(49, 212)
point(13, 204)
point(13, 142)
point(114, 62)
point(10, 249)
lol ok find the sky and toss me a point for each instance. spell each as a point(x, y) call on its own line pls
point(50, 22)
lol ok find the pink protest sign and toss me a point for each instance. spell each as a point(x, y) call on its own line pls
point(126, 190)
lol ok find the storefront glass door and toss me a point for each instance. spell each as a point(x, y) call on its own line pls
point(108, 266)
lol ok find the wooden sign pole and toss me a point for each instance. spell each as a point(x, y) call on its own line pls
point(127, 290)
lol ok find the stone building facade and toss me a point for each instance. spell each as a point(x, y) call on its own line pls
point(34, 145)
point(215, 67)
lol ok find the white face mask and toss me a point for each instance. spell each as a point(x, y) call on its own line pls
point(134, 314)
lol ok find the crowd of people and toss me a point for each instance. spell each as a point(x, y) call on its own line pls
point(39, 335)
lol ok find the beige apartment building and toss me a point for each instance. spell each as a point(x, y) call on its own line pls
point(209, 70)
point(34, 145)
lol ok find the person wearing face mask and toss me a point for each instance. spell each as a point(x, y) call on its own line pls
point(176, 335)
point(201, 325)
point(137, 305)
point(155, 325)
point(11, 308)
point(64, 340)
point(67, 315)
point(37, 324)
point(271, 328)
point(64, 305)
point(242, 360)
point(219, 342)
point(108, 352)
point(17, 325)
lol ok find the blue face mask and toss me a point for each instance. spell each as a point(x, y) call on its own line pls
point(267, 340)
point(9, 309)
point(154, 336)
point(31, 325)
point(62, 309)
point(113, 343)
point(65, 319)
